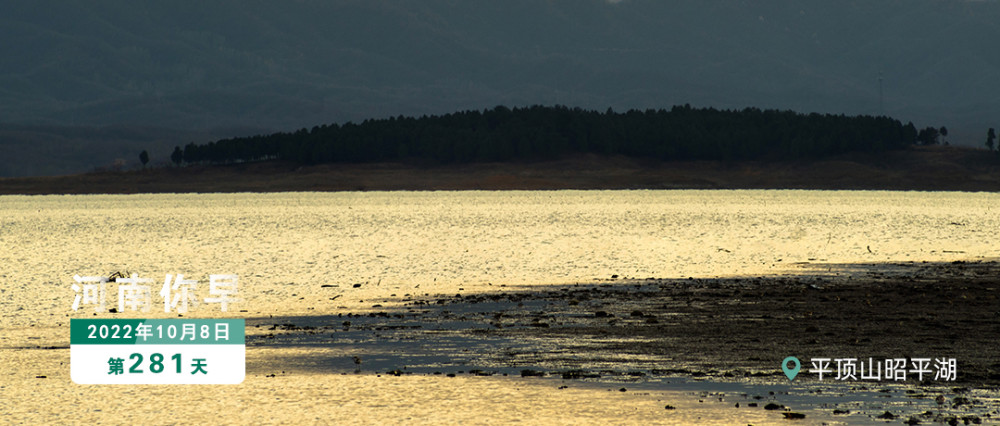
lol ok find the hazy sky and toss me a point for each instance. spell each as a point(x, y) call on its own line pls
point(264, 66)
point(110, 61)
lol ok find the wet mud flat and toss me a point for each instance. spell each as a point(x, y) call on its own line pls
point(722, 339)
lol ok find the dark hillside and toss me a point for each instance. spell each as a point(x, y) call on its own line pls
point(916, 168)
point(543, 133)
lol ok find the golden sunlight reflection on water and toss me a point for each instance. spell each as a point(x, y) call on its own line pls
point(285, 245)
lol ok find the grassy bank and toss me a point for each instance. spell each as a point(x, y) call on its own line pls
point(916, 168)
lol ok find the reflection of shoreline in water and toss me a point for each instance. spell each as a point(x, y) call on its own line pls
point(717, 336)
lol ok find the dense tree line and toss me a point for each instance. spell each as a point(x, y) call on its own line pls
point(538, 132)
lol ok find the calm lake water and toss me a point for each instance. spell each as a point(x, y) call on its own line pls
point(285, 246)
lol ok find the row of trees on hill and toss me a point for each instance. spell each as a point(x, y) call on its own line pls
point(991, 137)
point(538, 132)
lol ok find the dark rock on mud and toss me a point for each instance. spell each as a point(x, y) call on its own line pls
point(532, 373)
point(886, 415)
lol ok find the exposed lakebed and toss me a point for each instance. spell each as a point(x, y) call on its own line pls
point(722, 339)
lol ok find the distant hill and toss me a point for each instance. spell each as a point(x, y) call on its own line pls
point(39, 150)
point(548, 132)
point(201, 68)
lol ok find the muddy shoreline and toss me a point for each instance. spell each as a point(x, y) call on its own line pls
point(652, 332)
point(745, 327)
point(729, 327)
point(916, 168)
